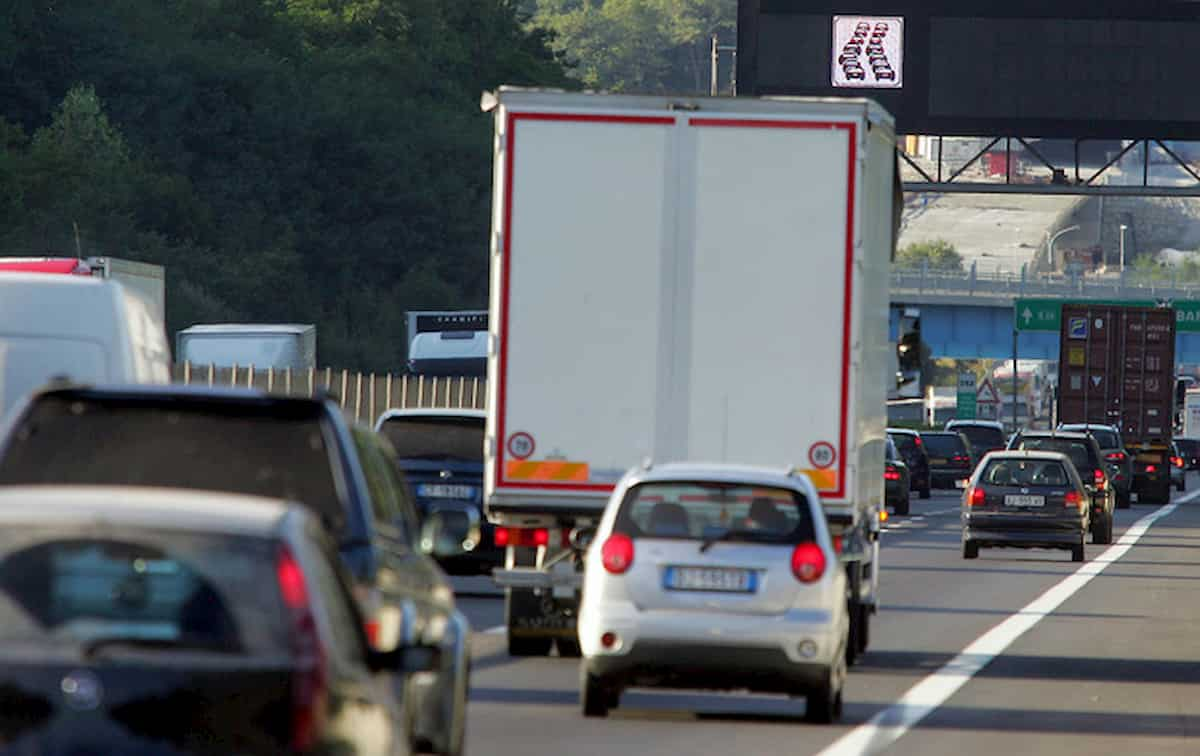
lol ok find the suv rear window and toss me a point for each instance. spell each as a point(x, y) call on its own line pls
point(458, 438)
point(65, 586)
point(700, 511)
point(943, 444)
point(1077, 451)
point(1025, 472)
point(1105, 438)
point(982, 436)
point(235, 448)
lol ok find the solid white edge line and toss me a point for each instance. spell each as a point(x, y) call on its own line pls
point(926, 696)
point(497, 630)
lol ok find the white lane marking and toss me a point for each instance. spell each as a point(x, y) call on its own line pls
point(497, 630)
point(926, 696)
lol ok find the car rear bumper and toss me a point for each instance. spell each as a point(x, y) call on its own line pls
point(948, 478)
point(1016, 530)
point(713, 650)
point(895, 491)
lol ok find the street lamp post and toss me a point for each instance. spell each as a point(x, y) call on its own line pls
point(1050, 246)
point(1123, 227)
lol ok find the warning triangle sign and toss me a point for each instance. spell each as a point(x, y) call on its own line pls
point(986, 394)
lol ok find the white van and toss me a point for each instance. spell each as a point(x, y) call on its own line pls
point(83, 328)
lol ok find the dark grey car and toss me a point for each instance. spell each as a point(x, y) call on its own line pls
point(1025, 499)
point(1120, 463)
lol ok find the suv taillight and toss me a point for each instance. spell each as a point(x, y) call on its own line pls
point(1177, 461)
point(1073, 499)
point(808, 562)
point(1099, 478)
point(1117, 456)
point(891, 473)
point(310, 692)
point(617, 553)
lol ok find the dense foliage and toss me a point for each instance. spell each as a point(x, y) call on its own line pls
point(937, 255)
point(288, 160)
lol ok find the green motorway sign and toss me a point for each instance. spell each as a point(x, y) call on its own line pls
point(1046, 314)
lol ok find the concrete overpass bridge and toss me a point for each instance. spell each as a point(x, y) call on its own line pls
point(970, 316)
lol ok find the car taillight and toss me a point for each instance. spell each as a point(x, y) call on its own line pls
point(1073, 499)
point(917, 440)
point(1151, 468)
point(976, 497)
point(891, 474)
point(527, 537)
point(310, 691)
point(1177, 461)
point(617, 553)
point(808, 562)
point(370, 602)
point(1117, 456)
point(1099, 479)
point(961, 459)
point(837, 544)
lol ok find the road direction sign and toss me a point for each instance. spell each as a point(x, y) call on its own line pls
point(965, 404)
point(1046, 314)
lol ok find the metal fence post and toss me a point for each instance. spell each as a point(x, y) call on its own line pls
point(371, 400)
point(387, 392)
point(403, 391)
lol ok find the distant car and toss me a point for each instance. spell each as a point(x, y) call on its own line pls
point(877, 59)
point(875, 50)
point(1025, 499)
point(168, 621)
point(985, 435)
point(1084, 453)
point(885, 73)
point(896, 480)
point(950, 458)
point(714, 577)
point(1189, 449)
point(1178, 468)
point(845, 58)
point(912, 451)
point(852, 48)
point(855, 73)
point(1119, 461)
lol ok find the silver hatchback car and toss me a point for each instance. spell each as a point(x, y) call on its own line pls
point(714, 577)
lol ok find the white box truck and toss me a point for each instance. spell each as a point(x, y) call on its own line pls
point(281, 346)
point(1191, 413)
point(673, 279)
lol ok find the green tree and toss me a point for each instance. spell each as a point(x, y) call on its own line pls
point(937, 254)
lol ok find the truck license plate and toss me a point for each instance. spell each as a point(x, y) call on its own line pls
point(1024, 501)
point(722, 579)
point(441, 491)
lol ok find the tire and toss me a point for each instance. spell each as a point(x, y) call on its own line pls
point(568, 648)
point(924, 493)
point(1182, 485)
point(864, 628)
point(1102, 530)
point(903, 506)
point(519, 646)
point(852, 641)
point(823, 705)
point(970, 550)
point(1077, 551)
point(594, 696)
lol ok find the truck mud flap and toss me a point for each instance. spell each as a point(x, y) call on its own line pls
point(534, 615)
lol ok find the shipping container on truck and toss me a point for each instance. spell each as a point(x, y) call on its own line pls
point(1117, 367)
point(144, 280)
point(681, 278)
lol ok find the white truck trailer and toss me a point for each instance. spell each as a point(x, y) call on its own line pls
point(673, 279)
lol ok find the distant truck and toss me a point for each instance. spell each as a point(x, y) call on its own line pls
point(263, 345)
point(1117, 368)
point(682, 279)
point(1191, 413)
point(145, 280)
point(448, 342)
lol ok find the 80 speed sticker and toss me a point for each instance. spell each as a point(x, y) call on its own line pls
point(822, 455)
point(520, 445)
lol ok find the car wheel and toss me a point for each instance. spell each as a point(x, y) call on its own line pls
point(594, 696)
point(520, 646)
point(925, 493)
point(823, 705)
point(1077, 551)
point(1102, 530)
point(1182, 485)
point(568, 648)
point(903, 505)
point(864, 628)
point(970, 550)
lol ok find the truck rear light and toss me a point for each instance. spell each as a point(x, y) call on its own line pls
point(1151, 468)
point(891, 474)
point(527, 537)
point(617, 553)
point(1117, 456)
point(808, 562)
point(976, 497)
point(1073, 499)
point(310, 689)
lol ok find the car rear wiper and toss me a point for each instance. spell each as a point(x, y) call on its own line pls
point(92, 647)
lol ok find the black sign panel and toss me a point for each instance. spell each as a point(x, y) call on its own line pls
point(1107, 69)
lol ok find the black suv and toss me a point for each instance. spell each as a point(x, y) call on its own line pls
point(950, 457)
point(298, 449)
point(1119, 461)
point(912, 451)
point(1084, 453)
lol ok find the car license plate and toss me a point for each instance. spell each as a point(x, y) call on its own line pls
point(442, 491)
point(938, 461)
point(1024, 501)
point(722, 579)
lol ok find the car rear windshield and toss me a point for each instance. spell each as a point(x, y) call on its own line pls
point(943, 444)
point(906, 444)
point(716, 511)
point(1076, 451)
point(72, 587)
point(437, 438)
point(1025, 472)
point(278, 453)
point(982, 436)
point(1107, 439)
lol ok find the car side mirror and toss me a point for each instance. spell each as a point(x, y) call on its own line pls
point(405, 659)
point(581, 538)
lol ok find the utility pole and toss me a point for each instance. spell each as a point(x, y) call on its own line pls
point(715, 50)
point(1123, 227)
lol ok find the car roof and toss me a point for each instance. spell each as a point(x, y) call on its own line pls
point(158, 508)
point(942, 433)
point(908, 431)
point(720, 472)
point(993, 424)
point(1026, 454)
point(392, 414)
point(198, 393)
point(243, 328)
point(1068, 435)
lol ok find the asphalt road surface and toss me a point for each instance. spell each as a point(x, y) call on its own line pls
point(1016, 652)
